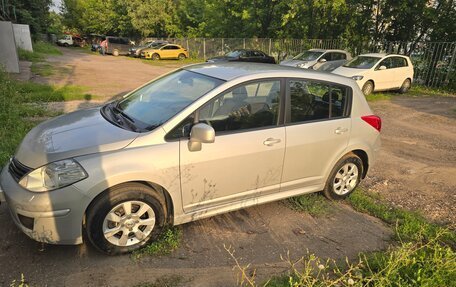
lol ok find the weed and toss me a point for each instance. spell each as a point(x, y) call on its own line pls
point(45, 48)
point(167, 242)
point(25, 55)
point(415, 91)
point(21, 283)
point(314, 204)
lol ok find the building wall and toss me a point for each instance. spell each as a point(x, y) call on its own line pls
point(22, 37)
point(8, 53)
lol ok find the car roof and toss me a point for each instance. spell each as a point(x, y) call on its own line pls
point(382, 55)
point(229, 71)
point(328, 50)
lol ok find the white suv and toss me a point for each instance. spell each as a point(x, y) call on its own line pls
point(379, 72)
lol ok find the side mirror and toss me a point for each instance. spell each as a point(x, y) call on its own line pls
point(200, 133)
point(382, 68)
point(322, 60)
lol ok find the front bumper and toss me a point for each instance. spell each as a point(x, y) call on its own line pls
point(52, 217)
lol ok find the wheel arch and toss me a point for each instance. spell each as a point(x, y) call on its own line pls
point(156, 187)
point(364, 158)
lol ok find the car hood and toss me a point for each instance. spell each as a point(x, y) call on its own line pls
point(74, 134)
point(294, 63)
point(349, 72)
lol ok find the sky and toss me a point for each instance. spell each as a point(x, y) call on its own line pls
point(56, 5)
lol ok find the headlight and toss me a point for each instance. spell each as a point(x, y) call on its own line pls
point(357, 78)
point(53, 175)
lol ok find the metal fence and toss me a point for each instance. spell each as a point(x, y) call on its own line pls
point(434, 62)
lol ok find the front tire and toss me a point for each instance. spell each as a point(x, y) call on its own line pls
point(406, 85)
point(115, 53)
point(368, 88)
point(344, 177)
point(155, 57)
point(125, 218)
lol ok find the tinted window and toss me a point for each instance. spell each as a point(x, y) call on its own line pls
point(316, 101)
point(388, 63)
point(337, 56)
point(399, 62)
point(257, 54)
point(308, 56)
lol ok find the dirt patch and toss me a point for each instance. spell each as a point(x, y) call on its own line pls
point(416, 167)
point(258, 234)
point(105, 76)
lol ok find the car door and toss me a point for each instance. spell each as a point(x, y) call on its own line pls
point(401, 71)
point(166, 51)
point(246, 159)
point(384, 79)
point(317, 128)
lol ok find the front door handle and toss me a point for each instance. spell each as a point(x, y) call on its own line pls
point(271, 141)
point(340, 130)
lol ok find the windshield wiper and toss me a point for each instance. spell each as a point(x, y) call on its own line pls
point(125, 118)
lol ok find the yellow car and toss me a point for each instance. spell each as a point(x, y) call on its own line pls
point(167, 51)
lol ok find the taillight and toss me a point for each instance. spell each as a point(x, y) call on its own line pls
point(374, 121)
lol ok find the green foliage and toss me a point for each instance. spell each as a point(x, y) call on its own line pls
point(314, 204)
point(45, 48)
point(167, 242)
point(42, 69)
point(25, 55)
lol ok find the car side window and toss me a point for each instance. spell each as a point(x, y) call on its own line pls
point(312, 101)
point(326, 56)
point(399, 62)
point(250, 106)
point(388, 63)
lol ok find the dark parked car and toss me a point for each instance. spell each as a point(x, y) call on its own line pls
point(117, 45)
point(136, 51)
point(243, 55)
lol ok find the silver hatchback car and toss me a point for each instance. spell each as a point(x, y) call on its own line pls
point(200, 141)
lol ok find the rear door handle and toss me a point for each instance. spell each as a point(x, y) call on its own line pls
point(340, 130)
point(271, 141)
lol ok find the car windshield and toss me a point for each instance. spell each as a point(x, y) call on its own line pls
point(308, 56)
point(234, 54)
point(157, 102)
point(362, 62)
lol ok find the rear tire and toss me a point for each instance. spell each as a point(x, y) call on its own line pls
point(344, 177)
point(115, 53)
point(406, 85)
point(155, 57)
point(368, 88)
point(181, 57)
point(136, 227)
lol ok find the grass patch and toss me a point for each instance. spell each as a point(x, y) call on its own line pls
point(166, 243)
point(42, 69)
point(423, 254)
point(25, 55)
point(21, 102)
point(415, 91)
point(45, 48)
point(315, 204)
point(172, 63)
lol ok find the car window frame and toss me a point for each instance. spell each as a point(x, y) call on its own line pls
point(379, 64)
point(195, 113)
point(287, 112)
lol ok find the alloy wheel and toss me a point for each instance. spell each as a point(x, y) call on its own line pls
point(346, 179)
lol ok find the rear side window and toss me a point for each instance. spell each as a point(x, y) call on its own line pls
point(399, 62)
point(311, 101)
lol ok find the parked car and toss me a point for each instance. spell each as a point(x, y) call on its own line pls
point(117, 45)
point(200, 141)
point(136, 51)
point(71, 40)
point(379, 72)
point(316, 58)
point(166, 51)
point(243, 55)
